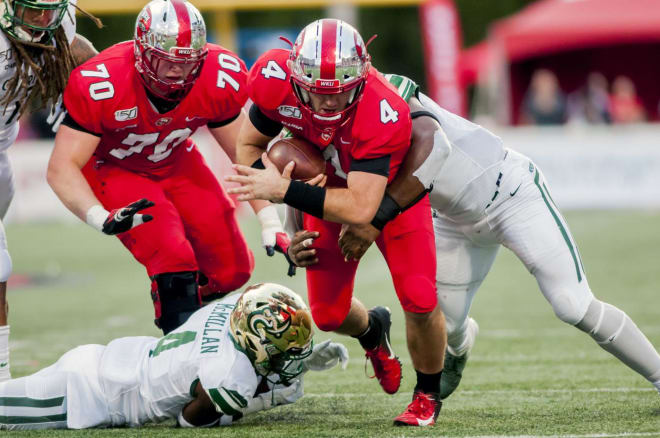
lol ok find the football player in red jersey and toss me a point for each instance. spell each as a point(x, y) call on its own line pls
point(325, 90)
point(131, 112)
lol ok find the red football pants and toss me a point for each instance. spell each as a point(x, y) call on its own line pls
point(194, 226)
point(408, 245)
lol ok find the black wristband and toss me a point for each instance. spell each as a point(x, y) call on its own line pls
point(387, 211)
point(306, 198)
point(258, 164)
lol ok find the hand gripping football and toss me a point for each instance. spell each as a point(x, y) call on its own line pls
point(308, 158)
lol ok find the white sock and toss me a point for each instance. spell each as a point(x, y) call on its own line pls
point(4, 353)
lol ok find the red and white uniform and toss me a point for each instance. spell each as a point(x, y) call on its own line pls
point(379, 127)
point(146, 154)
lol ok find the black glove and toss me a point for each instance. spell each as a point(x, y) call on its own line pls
point(123, 219)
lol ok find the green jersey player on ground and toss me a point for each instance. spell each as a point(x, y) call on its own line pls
point(235, 356)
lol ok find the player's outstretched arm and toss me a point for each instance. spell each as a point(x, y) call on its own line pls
point(72, 151)
point(404, 191)
point(356, 204)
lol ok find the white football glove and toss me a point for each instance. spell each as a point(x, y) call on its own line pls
point(279, 395)
point(56, 114)
point(325, 356)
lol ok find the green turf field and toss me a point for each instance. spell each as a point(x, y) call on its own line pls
point(529, 373)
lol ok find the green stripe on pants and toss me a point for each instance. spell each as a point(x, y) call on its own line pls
point(31, 402)
point(559, 224)
point(10, 419)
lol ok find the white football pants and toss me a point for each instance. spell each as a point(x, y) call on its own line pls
point(65, 394)
point(523, 218)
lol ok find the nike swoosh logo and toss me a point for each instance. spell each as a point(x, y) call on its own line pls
point(4, 364)
point(516, 190)
point(424, 422)
point(190, 148)
point(190, 119)
point(389, 347)
point(344, 142)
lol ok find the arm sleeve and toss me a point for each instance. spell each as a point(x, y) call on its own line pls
point(71, 123)
point(220, 123)
point(263, 124)
point(378, 166)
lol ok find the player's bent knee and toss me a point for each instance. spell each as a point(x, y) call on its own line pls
point(228, 283)
point(326, 319)
point(5, 265)
point(569, 307)
point(178, 294)
point(417, 294)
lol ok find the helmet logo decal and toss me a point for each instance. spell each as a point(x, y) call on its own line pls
point(143, 23)
point(264, 320)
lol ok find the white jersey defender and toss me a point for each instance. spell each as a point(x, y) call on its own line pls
point(484, 196)
point(136, 380)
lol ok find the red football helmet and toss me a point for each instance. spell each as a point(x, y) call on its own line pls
point(167, 33)
point(329, 57)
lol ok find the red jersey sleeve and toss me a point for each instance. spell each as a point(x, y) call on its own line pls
point(268, 80)
point(226, 80)
point(382, 121)
point(78, 99)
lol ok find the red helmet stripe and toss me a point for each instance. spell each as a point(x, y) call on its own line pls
point(182, 16)
point(328, 48)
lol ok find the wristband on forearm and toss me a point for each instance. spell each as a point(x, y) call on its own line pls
point(96, 216)
point(387, 211)
point(306, 198)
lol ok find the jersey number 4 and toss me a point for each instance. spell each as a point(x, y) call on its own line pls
point(172, 340)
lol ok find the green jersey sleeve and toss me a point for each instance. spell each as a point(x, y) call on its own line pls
point(406, 87)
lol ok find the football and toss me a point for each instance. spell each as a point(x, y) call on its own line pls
point(308, 158)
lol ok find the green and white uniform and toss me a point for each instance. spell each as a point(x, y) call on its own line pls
point(136, 380)
point(483, 196)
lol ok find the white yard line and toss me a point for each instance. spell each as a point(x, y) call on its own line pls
point(590, 435)
point(489, 391)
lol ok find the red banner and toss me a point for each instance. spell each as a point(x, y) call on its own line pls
point(441, 35)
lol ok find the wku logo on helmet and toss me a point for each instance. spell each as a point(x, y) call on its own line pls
point(327, 82)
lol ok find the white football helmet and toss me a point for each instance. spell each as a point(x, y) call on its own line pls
point(272, 325)
point(328, 57)
point(171, 31)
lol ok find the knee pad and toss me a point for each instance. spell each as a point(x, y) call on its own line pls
point(176, 295)
point(5, 265)
point(568, 306)
point(602, 321)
